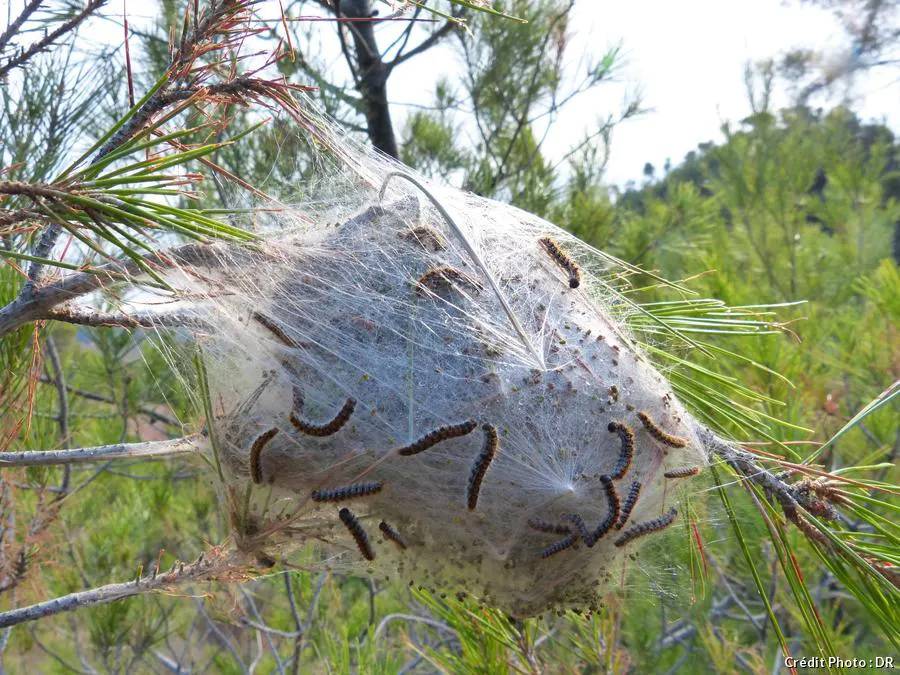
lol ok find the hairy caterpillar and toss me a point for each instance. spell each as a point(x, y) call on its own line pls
point(580, 528)
point(392, 534)
point(351, 522)
point(626, 454)
point(659, 434)
point(432, 438)
point(630, 501)
point(561, 545)
point(564, 261)
point(482, 462)
point(296, 398)
point(347, 492)
point(444, 275)
point(647, 527)
point(328, 428)
point(275, 329)
point(429, 238)
point(549, 528)
point(255, 452)
point(683, 472)
point(612, 497)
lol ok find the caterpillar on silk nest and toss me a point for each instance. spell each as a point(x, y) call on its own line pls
point(337, 379)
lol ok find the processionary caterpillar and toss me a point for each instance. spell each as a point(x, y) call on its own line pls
point(612, 497)
point(627, 507)
point(275, 329)
point(561, 545)
point(351, 522)
point(480, 467)
point(432, 438)
point(647, 527)
point(255, 452)
point(682, 472)
point(444, 275)
point(563, 260)
point(549, 528)
point(392, 534)
point(626, 454)
point(659, 434)
point(328, 428)
point(347, 492)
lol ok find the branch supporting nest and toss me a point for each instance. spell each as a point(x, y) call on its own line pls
point(797, 501)
point(101, 453)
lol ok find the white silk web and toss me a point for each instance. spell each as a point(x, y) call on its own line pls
point(455, 368)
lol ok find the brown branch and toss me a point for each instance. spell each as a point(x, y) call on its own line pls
point(44, 43)
point(14, 26)
point(213, 565)
point(372, 77)
point(796, 501)
point(37, 305)
point(423, 46)
point(100, 453)
point(87, 316)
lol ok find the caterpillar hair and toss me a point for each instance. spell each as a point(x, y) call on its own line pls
point(392, 534)
point(659, 434)
point(630, 501)
point(255, 452)
point(626, 454)
point(351, 522)
point(647, 527)
point(445, 275)
point(347, 492)
point(275, 329)
point(683, 472)
point(549, 528)
point(432, 438)
point(564, 261)
point(561, 545)
point(480, 467)
point(328, 428)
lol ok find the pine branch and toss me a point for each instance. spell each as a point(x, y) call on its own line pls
point(425, 45)
point(47, 41)
point(87, 316)
point(38, 304)
point(13, 28)
point(207, 567)
point(101, 453)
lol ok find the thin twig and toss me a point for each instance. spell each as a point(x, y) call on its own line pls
point(206, 567)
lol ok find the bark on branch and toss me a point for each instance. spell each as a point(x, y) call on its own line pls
point(207, 567)
point(101, 453)
point(38, 304)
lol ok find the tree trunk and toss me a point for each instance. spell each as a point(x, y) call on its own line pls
point(373, 75)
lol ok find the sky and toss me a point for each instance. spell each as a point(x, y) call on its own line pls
point(686, 59)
